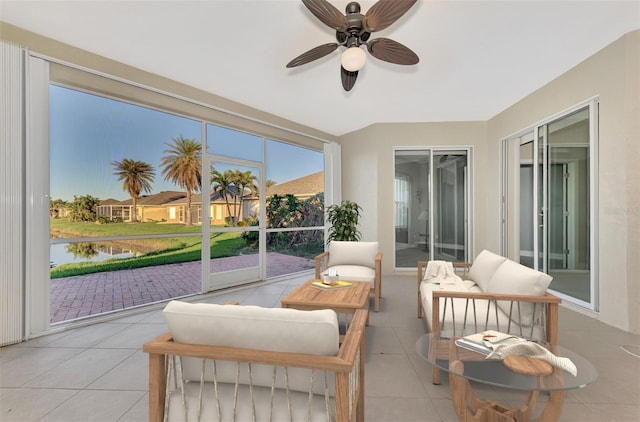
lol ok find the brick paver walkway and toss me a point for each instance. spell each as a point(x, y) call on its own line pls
point(81, 296)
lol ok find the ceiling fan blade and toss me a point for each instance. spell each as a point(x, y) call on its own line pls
point(384, 13)
point(327, 13)
point(392, 51)
point(313, 54)
point(348, 78)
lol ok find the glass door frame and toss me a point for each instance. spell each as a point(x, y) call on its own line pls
point(215, 281)
point(540, 196)
point(427, 193)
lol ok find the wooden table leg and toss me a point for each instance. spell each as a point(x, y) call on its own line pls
point(553, 408)
point(469, 407)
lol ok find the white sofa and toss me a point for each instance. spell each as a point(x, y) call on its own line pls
point(494, 293)
point(253, 363)
point(354, 261)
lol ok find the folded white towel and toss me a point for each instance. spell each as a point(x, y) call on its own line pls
point(441, 272)
point(507, 345)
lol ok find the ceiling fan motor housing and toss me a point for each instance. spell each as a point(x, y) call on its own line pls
point(354, 35)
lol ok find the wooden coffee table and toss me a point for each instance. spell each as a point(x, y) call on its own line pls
point(343, 300)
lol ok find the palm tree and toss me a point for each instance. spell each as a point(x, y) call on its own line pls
point(223, 185)
point(182, 164)
point(137, 177)
point(245, 180)
point(270, 183)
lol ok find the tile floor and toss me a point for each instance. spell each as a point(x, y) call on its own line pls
point(99, 373)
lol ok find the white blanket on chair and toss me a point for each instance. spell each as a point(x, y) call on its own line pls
point(441, 272)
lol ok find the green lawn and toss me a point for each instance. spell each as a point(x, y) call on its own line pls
point(70, 229)
point(164, 251)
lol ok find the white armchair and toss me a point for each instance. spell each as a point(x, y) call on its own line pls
point(243, 363)
point(354, 261)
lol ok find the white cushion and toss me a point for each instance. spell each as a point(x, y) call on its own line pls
point(252, 327)
point(354, 273)
point(352, 253)
point(473, 324)
point(483, 268)
point(516, 279)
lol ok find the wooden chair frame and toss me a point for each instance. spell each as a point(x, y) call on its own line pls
point(547, 307)
point(347, 365)
point(322, 261)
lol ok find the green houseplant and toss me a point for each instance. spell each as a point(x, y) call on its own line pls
point(344, 219)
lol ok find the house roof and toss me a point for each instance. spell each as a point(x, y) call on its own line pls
point(110, 201)
point(196, 198)
point(155, 199)
point(302, 187)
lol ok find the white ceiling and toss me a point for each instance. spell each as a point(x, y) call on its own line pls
point(476, 57)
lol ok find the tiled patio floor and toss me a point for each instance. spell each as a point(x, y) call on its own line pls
point(92, 294)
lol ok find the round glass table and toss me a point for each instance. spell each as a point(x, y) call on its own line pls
point(464, 365)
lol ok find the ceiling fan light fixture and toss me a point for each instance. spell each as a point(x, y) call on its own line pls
point(353, 59)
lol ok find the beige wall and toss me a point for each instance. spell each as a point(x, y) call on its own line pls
point(613, 74)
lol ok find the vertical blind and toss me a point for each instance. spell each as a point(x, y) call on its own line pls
point(12, 198)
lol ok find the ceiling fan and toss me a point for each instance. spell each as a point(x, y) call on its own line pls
point(353, 30)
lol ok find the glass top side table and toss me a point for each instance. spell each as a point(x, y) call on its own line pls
point(464, 366)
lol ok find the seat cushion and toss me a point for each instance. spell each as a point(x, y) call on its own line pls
point(483, 268)
point(354, 273)
point(460, 328)
point(477, 320)
point(352, 253)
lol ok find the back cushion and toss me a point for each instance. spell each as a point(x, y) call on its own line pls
point(514, 278)
point(251, 327)
point(352, 253)
point(483, 268)
point(254, 327)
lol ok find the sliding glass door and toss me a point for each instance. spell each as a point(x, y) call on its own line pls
point(431, 205)
point(564, 211)
point(549, 176)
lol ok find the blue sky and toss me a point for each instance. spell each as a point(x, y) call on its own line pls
point(88, 133)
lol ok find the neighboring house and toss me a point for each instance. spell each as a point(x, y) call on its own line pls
point(113, 209)
point(177, 210)
point(149, 207)
point(303, 188)
point(171, 206)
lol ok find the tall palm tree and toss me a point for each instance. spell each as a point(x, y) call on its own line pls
point(182, 164)
point(223, 184)
point(245, 180)
point(137, 176)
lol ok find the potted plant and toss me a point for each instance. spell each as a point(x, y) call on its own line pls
point(344, 219)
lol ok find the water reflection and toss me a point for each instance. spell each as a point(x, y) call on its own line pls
point(65, 253)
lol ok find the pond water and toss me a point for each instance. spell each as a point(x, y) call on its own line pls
point(65, 253)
